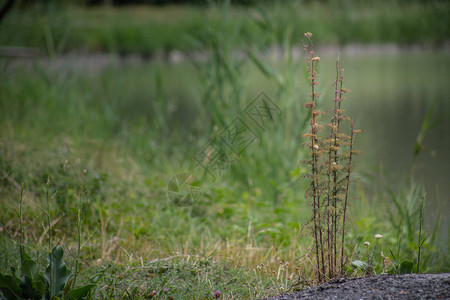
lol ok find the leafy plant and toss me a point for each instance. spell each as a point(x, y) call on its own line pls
point(331, 167)
point(397, 266)
point(371, 266)
point(55, 283)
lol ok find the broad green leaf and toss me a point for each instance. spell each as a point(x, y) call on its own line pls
point(32, 283)
point(80, 292)
point(26, 285)
point(29, 267)
point(9, 286)
point(39, 285)
point(57, 273)
point(360, 264)
point(406, 267)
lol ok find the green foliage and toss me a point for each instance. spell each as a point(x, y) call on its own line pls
point(410, 250)
point(55, 283)
point(57, 28)
point(57, 274)
point(362, 265)
point(406, 267)
point(406, 219)
point(74, 189)
point(33, 284)
point(9, 286)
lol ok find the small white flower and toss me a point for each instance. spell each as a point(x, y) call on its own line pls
point(378, 236)
point(367, 244)
point(316, 147)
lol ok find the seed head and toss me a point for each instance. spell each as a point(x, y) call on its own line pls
point(378, 236)
point(387, 261)
point(309, 105)
point(367, 244)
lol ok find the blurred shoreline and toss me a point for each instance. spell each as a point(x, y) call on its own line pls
point(17, 57)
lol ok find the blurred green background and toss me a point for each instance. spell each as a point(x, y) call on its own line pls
point(132, 92)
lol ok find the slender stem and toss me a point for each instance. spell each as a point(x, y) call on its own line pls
point(349, 170)
point(316, 197)
point(78, 246)
point(49, 233)
point(331, 158)
point(420, 243)
point(80, 206)
point(314, 162)
point(21, 226)
point(336, 158)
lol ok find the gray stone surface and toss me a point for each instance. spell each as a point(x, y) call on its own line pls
point(409, 286)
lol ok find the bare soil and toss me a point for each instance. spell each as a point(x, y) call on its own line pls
point(410, 286)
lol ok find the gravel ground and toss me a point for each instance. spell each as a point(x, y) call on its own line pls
point(410, 286)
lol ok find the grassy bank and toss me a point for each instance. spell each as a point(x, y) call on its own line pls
point(147, 30)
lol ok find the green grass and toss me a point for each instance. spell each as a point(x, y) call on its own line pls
point(147, 30)
point(128, 162)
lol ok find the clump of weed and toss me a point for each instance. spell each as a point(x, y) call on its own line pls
point(331, 156)
point(57, 282)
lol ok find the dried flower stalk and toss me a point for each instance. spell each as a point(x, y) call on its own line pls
point(331, 167)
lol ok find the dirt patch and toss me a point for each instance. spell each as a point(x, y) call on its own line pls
point(410, 286)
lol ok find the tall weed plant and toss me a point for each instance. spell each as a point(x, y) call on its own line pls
point(331, 158)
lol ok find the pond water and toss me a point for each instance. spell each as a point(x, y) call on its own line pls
point(392, 95)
